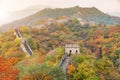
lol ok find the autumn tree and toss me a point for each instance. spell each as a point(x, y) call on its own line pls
point(105, 69)
point(84, 71)
point(7, 71)
point(71, 68)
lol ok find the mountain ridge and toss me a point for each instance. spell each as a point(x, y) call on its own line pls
point(87, 14)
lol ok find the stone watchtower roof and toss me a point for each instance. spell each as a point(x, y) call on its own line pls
point(71, 46)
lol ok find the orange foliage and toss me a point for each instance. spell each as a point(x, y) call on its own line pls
point(114, 29)
point(7, 71)
point(98, 32)
point(40, 60)
point(109, 40)
point(71, 69)
point(11, 61)
point(100, 40)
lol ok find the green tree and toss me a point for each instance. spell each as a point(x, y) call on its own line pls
point(104, 67)
point(30, 41)
point(85, 72)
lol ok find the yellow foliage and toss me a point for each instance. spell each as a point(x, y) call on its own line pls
point(61, 17)
point(52, 63)
point(42, 76)
point(41, 22)
point(60, 25)
point(17, 42)
point(24, 29)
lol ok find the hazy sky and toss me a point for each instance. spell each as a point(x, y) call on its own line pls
point(104, 5)
point(107, 6)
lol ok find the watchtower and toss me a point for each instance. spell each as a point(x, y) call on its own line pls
point(72, 48)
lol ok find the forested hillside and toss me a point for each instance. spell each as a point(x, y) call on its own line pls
point(86, 14)
point(48, 44)
point(97, 16)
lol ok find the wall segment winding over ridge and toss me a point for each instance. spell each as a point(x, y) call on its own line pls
point(25, 47)
point(64, 62)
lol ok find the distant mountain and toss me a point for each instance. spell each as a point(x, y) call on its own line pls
point(27, 11)
point(16, 15)
point(93, 14)
point(86, 14)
